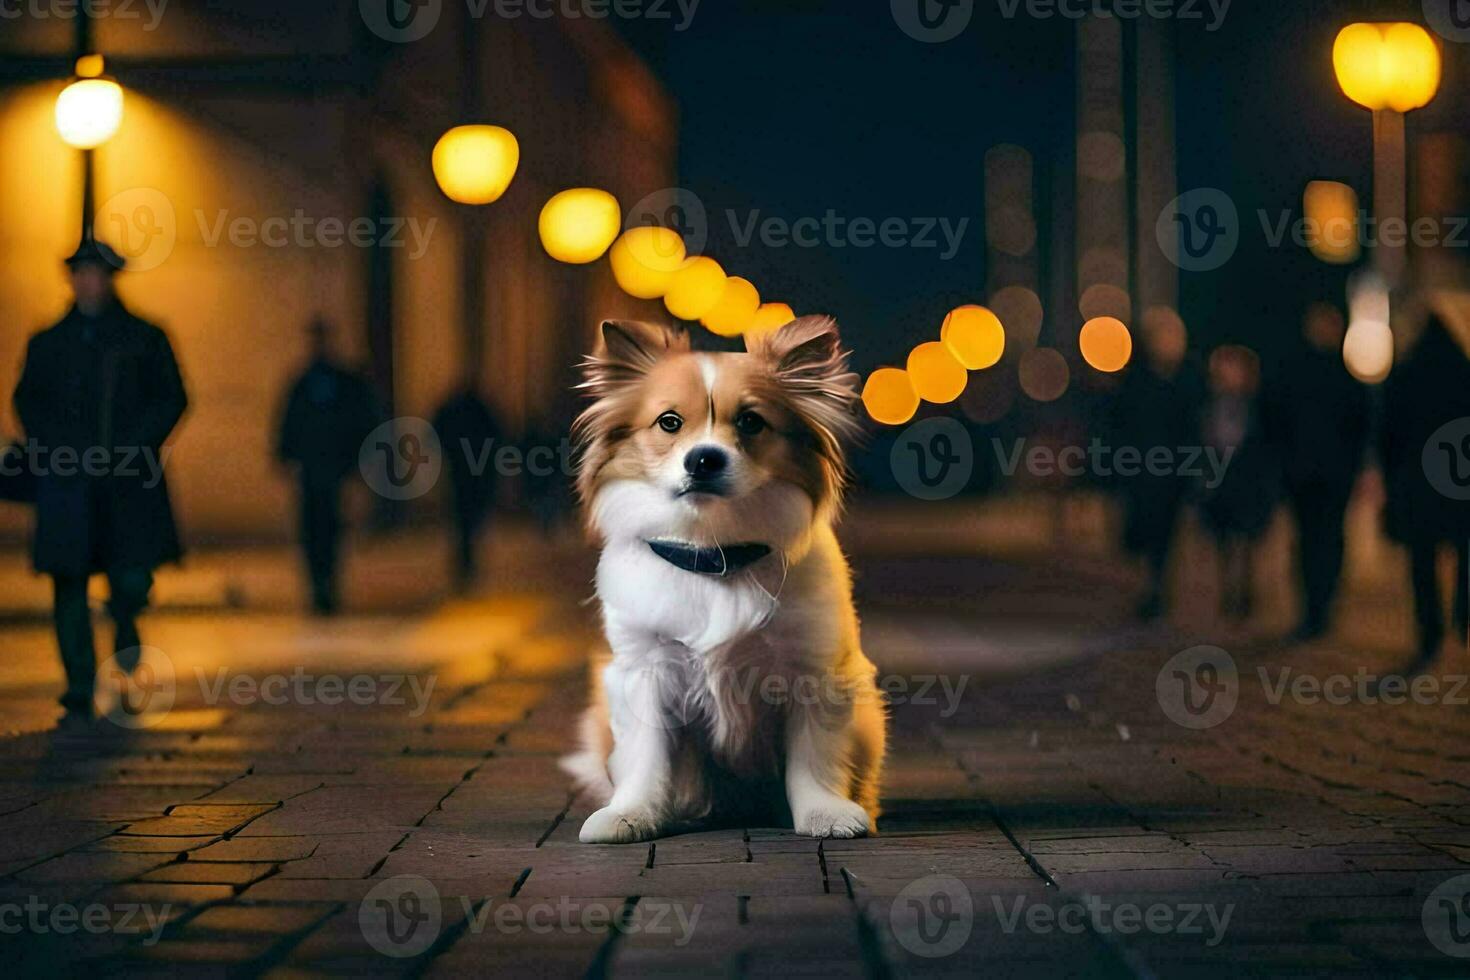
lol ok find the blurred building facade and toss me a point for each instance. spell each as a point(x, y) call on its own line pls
point(254, 136)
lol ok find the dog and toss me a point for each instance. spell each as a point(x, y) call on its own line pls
point(734, 686)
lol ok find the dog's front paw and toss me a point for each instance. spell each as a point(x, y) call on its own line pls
point(832, 817)
point(613, 826)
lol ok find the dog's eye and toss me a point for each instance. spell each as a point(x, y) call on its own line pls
point(670, 422)
point(748, 423)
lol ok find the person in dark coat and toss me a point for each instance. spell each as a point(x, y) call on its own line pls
point(1238, 510)
point(1318, 417)
point(98, 397)
point(1157, 405)
point(329, 411)
point(470, 437)
point(1429, 389)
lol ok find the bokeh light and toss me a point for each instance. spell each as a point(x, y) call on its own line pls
point(577, 226)
point(696, 288)
point(771, 316)
point(1101, 156)
point(889, 396)
point(1387, 66)
point(1044, 374)
point(645, 260)
point(1367, 350)
point(735, 311)
point(989, 396)
point(1331, 211)
point(974, 336)
point(1020, 313)
point(475, 164)
point(1106, 344)
point(937, 375)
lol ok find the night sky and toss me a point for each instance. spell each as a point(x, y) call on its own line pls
point(798, 106)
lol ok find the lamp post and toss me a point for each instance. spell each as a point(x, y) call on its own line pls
point(1390, 69)
point(88, 112)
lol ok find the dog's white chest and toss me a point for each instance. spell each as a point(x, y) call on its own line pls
point(642, 593)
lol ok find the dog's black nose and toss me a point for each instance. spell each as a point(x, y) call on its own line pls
point(704, 462)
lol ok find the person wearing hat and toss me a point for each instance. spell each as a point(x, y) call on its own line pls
point(98, 397)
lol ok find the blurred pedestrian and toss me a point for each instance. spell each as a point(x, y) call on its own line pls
point(1158, 404)
point(1238, 509)
point(1318, 418)
point(329, 410)
point(98, 397)
point(470, 437)
point(1429, 388)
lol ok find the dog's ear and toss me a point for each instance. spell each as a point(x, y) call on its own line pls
point(634, 343)
point(808, 353)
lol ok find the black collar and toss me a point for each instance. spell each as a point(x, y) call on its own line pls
point(710, 561)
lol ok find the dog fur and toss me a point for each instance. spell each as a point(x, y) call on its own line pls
point(735, 698)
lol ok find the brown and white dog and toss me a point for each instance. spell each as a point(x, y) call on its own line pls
point(735, 688)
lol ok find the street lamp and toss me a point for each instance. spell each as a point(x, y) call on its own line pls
point(1389, 69)
point(88, 113)
point(475, 164)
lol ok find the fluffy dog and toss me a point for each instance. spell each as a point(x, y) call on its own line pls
point(735, 688)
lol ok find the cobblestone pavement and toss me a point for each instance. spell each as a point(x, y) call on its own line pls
point(1051, 821)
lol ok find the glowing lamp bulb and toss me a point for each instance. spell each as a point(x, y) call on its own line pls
point(578, 225)
point(735, 311)
point(889, 396)
point(1106, 344)
point(771, 316)
point(696, 288)
point(975, 337)
point(937, 375)
point(1386, 66)
point(89, 112)
point(645, 260)
point(475, 164)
